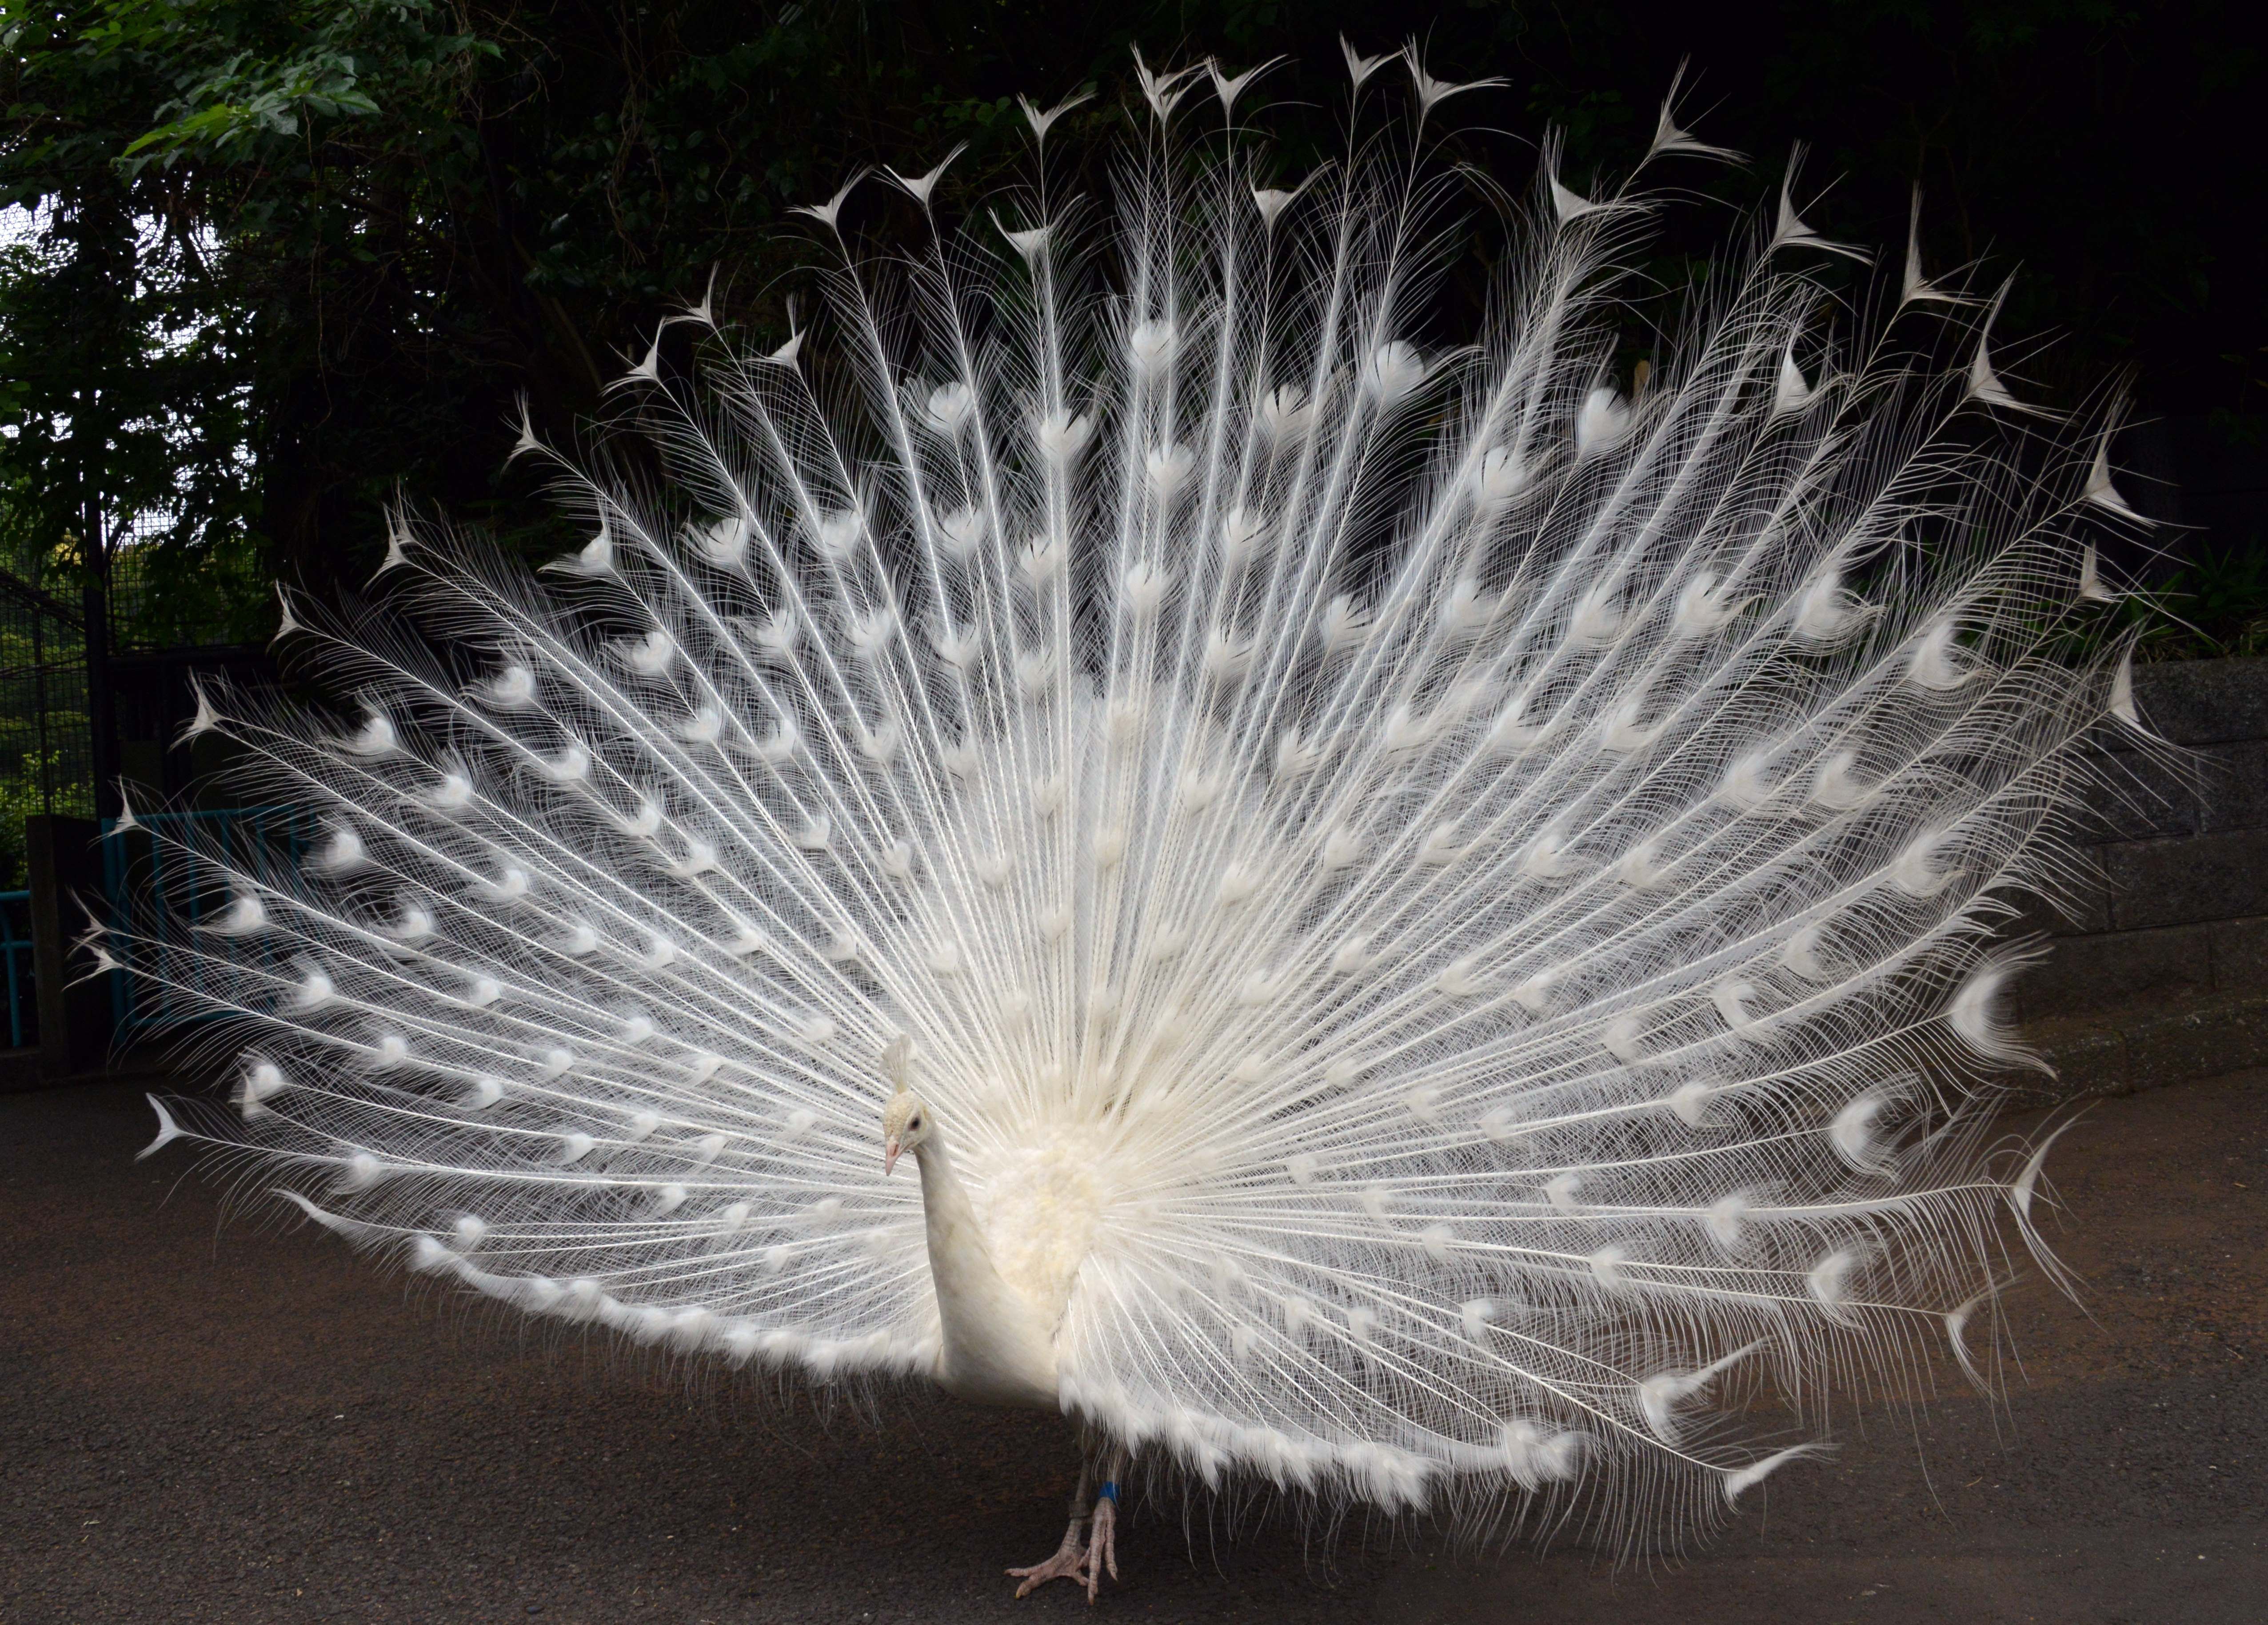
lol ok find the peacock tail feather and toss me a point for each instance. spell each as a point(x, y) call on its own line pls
point(1455, 897)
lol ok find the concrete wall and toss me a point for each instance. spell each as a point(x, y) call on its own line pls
point(2160, 969)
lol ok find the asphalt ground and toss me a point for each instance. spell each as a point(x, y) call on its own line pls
point(243, 1421)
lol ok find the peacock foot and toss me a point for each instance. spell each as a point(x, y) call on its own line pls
point(1069, 1562)
point(1102, 1545)
point(1077, 1559)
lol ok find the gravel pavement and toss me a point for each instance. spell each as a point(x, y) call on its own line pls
point(244, 1423)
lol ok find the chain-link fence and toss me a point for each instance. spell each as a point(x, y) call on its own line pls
point(46, 749)
point(155, 641)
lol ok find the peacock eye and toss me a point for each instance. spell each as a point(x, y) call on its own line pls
point(913, 1122)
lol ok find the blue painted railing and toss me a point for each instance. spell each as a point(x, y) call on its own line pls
point(15, 966)
point(154, 891)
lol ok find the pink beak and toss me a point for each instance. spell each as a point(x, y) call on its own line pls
point(890, 1150)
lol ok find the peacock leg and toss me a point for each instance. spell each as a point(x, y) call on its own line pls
point(1069, 1561)
point(1102, 1544)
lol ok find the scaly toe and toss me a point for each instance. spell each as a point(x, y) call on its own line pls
point(1068, 1563)
point(1102, 1550)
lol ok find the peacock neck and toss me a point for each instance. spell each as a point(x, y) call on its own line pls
point(994, 1347)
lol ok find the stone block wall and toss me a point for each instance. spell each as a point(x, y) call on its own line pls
point(2172, 902)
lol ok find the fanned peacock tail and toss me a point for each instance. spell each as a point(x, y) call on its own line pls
point(1470, 890)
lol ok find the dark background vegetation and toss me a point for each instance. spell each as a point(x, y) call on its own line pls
point(288, 258)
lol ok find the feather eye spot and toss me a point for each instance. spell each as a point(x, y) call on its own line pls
point(1452, 844)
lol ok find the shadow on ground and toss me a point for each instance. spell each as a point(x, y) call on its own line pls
point(208, 1422)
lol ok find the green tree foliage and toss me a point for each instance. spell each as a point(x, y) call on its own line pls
point(296, 257)
point(122, 364)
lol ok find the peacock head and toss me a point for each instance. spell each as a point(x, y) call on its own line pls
point(905, 1126)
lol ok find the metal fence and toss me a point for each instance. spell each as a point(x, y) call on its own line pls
point(47, 751)
point(99, 671)
point(16, 968)
point(47, 763)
